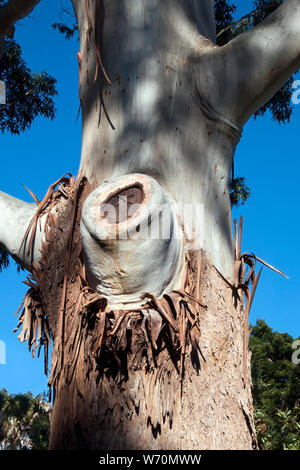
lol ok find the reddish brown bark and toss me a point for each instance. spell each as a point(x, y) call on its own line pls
point(127, 395)
point(169, 376)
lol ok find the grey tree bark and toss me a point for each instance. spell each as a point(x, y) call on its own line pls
point(149, 338)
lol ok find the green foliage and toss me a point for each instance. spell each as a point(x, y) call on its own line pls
point(239, 191)
point(4, 257)
point(224, 10)
point(276, 389)
point(66, 30)
point(280, 105)
point(24, 421)
point(28, 94)
point(67, 16)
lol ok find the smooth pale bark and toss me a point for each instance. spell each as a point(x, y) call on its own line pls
point(177, 101)
point(151, 119)
point(253, 66)
point(15, 217)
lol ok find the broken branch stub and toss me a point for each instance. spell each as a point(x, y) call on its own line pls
point(133, 240)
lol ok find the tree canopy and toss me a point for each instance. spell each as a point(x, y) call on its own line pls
point(24, 421)
point(276, 388)
point(28, 94)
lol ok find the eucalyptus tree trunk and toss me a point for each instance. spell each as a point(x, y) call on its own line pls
point(150, 332)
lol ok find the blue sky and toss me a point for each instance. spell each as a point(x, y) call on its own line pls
point(268, 155)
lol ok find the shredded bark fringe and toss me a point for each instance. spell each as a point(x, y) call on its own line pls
point(80, 318)
point(44, 207)
point(34, 324)
point(97, 348)
point(171, 322)
point(244, 276)
point(32, 316)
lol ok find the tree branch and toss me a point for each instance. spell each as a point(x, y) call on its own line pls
point(257, 63)
point(13, 11)
point(15, 218)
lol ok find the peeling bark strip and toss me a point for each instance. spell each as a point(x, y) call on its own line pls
point(48, 279)
point(97, 41)
point(241, 282)
point(44, 207)
point(34, 324)
point(79, 58)
point(178, 310)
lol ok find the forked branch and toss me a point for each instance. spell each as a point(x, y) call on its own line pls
point(258, 62)
point(235, 80)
